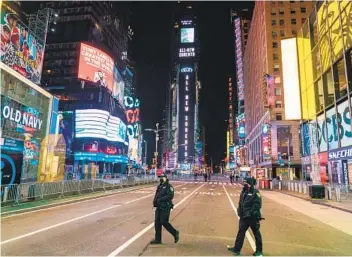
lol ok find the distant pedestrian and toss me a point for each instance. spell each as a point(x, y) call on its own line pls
point(205, 177)
point(236, 178)
point(231, 178)
point(249, 211)
point(163, 203)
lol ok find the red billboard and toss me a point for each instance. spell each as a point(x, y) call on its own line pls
point(96, 66)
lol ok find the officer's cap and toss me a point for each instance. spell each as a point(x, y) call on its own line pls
point(250, 181)
point(162, 176)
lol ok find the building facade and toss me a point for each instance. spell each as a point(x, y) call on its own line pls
point(272, 141)
point(325, 52)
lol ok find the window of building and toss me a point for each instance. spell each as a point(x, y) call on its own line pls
point(275, 45)
point(277, 80)
point(284, 141)
point(281, 2)
point(349, 69)
point(278, 104)
point(328, 85)
point(281, 11)
point(277, 91)
point(273, 22)
point(303, 10)
point(282, 33)
point(278, 116)
point(275, 57)
point(293, 21)
point(186, 117)
point(340, 80)
point(276, 68)
point(282, 22)
point(273, 11)
point(274, 34)
point(294, 32)
point(319, 95)
point(292, 2)
point(293, 11)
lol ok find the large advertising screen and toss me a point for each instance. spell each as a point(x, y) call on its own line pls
point(132, 116)
point(96, 66)
point(20, 50)
point(118, 87)
point(133, 149)
point(239, 59)
point(93, 123)
point(187, 35)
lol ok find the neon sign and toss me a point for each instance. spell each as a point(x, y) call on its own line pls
point(187, 52)
point(186, 70)
point(239, 59)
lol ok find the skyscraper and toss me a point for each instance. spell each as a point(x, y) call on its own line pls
point(272, 140)
point(184, 90)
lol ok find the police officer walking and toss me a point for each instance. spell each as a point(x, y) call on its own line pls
point(249, 211)
point(163, 203)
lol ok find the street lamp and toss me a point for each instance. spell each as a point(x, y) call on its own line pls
point(156, 131)
point(145, 152)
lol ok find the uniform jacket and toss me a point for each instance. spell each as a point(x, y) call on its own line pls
point(163, 197)
point(250, 204)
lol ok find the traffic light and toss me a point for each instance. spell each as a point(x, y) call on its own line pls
point(154, 162)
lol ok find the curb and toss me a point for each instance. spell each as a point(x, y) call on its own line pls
point(318, 203)
point(9, 213)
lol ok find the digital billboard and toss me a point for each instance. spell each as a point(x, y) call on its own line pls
point(291, 79)
point(239, 59)
point(96, 66)
point(118, 87)
point(266, 141)
point(20, 50)
point(93, 123)
point(133, 149)
point(187, 35)
point(187, 52)
point(132, 116)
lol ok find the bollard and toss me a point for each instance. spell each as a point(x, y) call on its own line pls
point(304, 188)
point(279, 185)
point(338, 194)
point(300, 188)
point(329, 193)
point(263, 185)
point(6, 193)
point(271, 185)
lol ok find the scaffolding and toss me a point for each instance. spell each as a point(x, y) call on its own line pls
point(38, 24)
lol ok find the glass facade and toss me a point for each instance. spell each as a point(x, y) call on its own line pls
point(324, 53)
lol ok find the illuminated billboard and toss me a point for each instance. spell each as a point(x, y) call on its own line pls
point(132, 116)
point(20, 50)
point(239, 59)
point(118, 87)
point(96, 66)
point(93, 123)
point(266, 141)
point(187, 52)
point(133, 149)
point(291, 79)
point(187, 35)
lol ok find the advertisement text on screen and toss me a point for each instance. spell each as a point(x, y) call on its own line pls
point(23, 118)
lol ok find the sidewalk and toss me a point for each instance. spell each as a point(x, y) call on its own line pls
point(42, 204)
point(344, 205)
point(337, 219)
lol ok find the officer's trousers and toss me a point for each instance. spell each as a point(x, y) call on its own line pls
point(244, 224)
point(162, 219)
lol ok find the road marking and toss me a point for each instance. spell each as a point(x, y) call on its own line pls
point(58, 225)
point(145, 230)
point(249, 237)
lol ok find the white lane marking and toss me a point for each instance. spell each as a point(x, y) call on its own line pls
point(249, 237)
point(141, 233)
point(58, 224)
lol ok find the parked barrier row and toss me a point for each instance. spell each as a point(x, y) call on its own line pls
point(30, 191)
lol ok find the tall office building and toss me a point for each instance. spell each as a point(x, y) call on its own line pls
point(272, 140)
point(183, 120)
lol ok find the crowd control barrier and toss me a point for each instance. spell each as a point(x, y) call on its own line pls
point(32, 191)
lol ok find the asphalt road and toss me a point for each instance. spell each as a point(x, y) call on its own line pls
point(122, 224)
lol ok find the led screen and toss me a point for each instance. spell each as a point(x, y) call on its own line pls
point(96, 66)
point(187, 35)
point(92, 123)
point(20, 50)
point(118, 87)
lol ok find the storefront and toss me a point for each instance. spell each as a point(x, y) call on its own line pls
point(306, 167)
point(25, 121)
point(340, 165)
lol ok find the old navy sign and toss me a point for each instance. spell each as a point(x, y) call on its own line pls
point(341, 154)
point(186, 70)
point(25, 119)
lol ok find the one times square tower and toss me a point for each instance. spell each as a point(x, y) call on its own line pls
point(184, 90)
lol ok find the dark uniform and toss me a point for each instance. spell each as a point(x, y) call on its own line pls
point(163, 203)
point(249, 211)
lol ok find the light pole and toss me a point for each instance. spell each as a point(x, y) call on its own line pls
point(156, 131)
point(145, 152)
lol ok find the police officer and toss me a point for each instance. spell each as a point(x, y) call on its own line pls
point(249, 211)
point(163, 204)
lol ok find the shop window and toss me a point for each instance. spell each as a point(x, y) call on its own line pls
point(328, 86)
point(277, 91)
point(319, 95)
point(340, 81)
point(282, 22)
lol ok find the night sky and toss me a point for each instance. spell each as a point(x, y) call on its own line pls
point(152, 24)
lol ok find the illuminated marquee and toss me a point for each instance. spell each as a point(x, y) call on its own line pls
point(187, 52)
point(239, 59)
point(186, 70)
point(230, 112)
point(266, 141)
point(186, 22)
point(132, 116)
